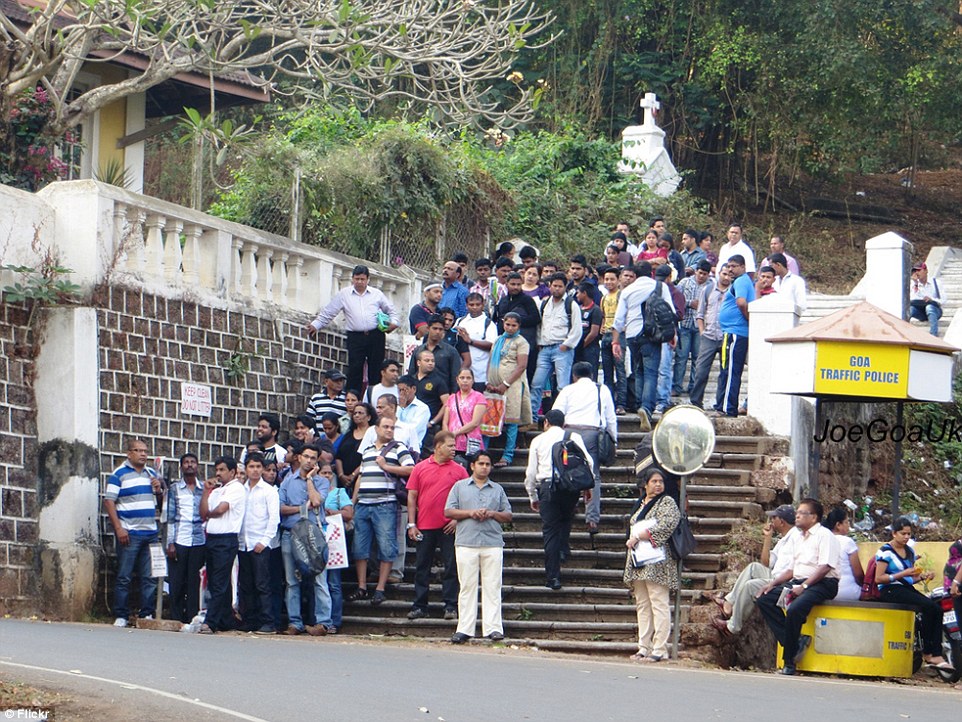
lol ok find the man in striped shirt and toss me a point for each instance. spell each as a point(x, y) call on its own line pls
point(375, 505)
point(130, 501)
point(328, 401)
point(185, 541)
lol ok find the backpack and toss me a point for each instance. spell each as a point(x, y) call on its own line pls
point(659, 317)
point(308, 547)
point(870, 589)
point(569, 299)
point(570, 470)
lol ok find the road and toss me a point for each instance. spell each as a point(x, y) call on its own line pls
point(170, 676)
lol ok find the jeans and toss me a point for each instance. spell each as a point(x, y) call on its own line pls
point(665, 375)
point(134, 558)
point(322, 595)
point(221, 553)
point(183, 578)
point(375, 521)
point(337, 597)
point(708, 349)
point(645, 357)
point(433, 539)
point(734, 352)
point(614, 370)
point(550, 358)
point(688, 346)
point(557, 509)
point(927, 311)
point(786, 626)
point(590, 354)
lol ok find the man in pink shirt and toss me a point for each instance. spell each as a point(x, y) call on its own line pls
point(428, 489)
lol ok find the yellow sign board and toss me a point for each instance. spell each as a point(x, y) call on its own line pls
point(861, 369)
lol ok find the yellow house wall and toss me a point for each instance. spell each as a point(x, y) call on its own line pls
point(113, 119)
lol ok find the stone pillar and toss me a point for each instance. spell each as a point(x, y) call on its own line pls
point(887, 268)
point(768, 316)
point(68, 431)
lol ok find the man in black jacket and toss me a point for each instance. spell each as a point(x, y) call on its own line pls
point(516, 301)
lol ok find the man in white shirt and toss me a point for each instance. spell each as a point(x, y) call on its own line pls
point(925, 299)
point(390, 372)
point(261, 517)
point(222, 507)
point(589, 410)
point(556, 507)
point(787, 283)
point(558, 336)
point(411, 410)
point(811, 578)
point(479, 332)
point(739, 603)
point(736, 246)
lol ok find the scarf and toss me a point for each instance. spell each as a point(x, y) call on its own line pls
point(499, 347)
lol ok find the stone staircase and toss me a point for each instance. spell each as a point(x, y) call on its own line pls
point(594, 612)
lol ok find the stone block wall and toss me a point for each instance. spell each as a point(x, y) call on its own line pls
point(18, 445)
point(150, 344)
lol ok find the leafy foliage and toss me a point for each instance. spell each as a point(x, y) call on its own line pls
point(28, 151)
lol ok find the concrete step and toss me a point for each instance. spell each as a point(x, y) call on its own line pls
point(549, 629)
point(524, 594)
point(529, 610)
point(736, 509)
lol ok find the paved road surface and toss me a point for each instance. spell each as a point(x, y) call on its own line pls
point(170, 676)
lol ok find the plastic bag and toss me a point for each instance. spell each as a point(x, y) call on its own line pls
point(493, 421)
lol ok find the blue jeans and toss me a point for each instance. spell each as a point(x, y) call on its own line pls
point(550, 358)
point(689, 341)
point(930, 311)
point(510, 442)
point(614, 370)
point(376, 521)
point(131, 559)
point(322, 596)
point(664, 375)
point(337, 597)
point(645, 357)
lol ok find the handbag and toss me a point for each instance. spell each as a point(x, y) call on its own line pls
point(607, 447)
point(682, 539)
point(472, 445)
point(493, 421)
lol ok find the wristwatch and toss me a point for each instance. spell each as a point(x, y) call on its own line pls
point(804, 585)
point(412, 526)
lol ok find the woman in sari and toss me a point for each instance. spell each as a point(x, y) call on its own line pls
point(507, 375)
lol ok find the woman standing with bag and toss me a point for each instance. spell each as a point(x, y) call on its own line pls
point(650, 525)
point(463, 413)
point(507, 376)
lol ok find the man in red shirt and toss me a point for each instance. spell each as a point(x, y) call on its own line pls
point(428, 488)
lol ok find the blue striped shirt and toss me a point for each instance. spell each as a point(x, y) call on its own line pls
point(184, 525)
point(130, 490)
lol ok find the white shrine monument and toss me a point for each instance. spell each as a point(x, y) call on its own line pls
point(643, 152)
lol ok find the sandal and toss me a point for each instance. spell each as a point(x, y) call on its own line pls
point(592, 528)
point(359, 594)
point(637, 656)
point(500, 464)
point(651, 659)
point(721, 602)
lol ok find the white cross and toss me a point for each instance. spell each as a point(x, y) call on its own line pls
point(651, 105)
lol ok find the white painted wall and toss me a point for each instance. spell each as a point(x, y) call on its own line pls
point(72, 517)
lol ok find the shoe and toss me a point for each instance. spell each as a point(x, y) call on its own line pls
point(450, 613)
point(592, 528)
point(417, 613)
point(620, 411)
point(459, 638)
point(266, 629)
point(395, 578)
point(643, 420)
point(500, 464)
point(293, 631)
point(204, 629)
point(120, 622)
point(148, 618)
point(721, 625)
point(554, 583)
point(331, 630)
point(659, 409)
point(378, 597)
point(496, 636)
point(359, 595)
point(787, 671)
point(318, 630)
point(804, 642)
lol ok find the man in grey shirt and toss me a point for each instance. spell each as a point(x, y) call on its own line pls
point(480, 506)
point(711, 335)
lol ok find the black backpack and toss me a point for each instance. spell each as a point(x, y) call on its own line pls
point(308, 546)
point(659, 317)
point(570, 470)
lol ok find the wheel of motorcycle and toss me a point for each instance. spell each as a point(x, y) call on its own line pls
point(955, 658)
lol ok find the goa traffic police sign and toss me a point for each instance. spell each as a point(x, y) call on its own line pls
point(861, 369)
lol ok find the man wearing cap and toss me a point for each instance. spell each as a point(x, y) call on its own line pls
point(361, 306)
point(420, 313)
point(329, 400)
point(926, 300)
point(736, 606)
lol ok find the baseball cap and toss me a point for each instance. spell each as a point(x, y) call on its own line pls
point(334, 375)
point(785, 512)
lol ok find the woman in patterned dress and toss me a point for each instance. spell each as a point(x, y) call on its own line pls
point(652, 520)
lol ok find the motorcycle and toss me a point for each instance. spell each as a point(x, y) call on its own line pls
point(951, 636)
